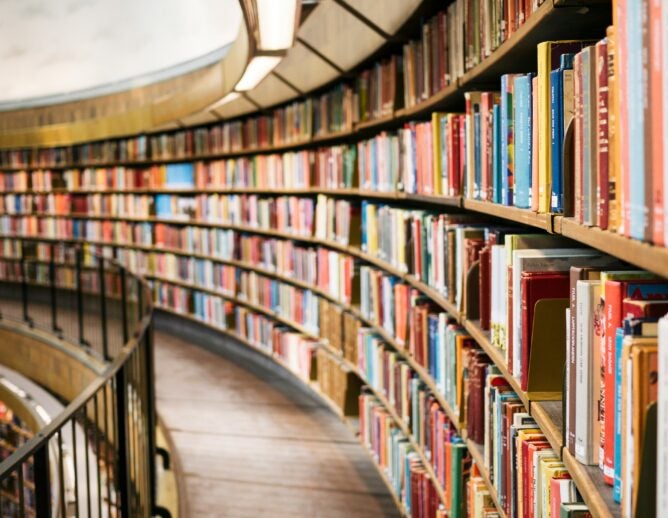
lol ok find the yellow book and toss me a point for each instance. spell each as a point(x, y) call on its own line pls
point(549, 53)
point(522, 436)
point(549, 470)
point(472, 99)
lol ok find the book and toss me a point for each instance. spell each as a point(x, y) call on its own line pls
point(549, 53)
point(587, 387)
point(560, 84)
point(662, 417)
point(522, 124)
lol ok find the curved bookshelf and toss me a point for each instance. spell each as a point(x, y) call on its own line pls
point(552, 20)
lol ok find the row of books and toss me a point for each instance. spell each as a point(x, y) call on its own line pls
point(395, 455)
point(427, 64)
point(532, 267)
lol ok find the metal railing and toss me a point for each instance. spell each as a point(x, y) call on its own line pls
point(97, 458)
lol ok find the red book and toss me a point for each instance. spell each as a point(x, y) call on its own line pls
point(601, 52)
point(615, 293)
point(556, 485)
point(537, 286)
point(644, 308)
point(528, 448)
point(454, 182)
point(485, 287)
point(656, 193)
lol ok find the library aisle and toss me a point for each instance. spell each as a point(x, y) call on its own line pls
point(253, 443)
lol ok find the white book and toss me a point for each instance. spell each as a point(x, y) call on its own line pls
point(496, 258)
point(662, 417)
point(537, 260)
point(567, 388)
point(588, 367)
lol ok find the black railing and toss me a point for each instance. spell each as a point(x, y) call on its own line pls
point(97, 458)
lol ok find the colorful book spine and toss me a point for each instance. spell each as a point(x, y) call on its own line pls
point(523, 135)
point(636, 71)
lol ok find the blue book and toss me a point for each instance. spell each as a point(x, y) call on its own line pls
point(522, 97)
point(433, 343)
point(496, 154)
point(364, 206)
point(557, 131)
point(180, 175)
point(507, 179)
point(637, 96)
point(617, 485)
point(163, 205)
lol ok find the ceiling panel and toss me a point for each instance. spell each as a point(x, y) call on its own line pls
point(389, 15)
point(235, 108)
point(271, 91)
point(339, 35)
point(304, 69)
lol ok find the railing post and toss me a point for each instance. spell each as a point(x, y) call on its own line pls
point(42, 481)
point(24, 287)
point(123, 461)
point(103, 308)
point(124, 306)
point(80, 320)
point(151, 417)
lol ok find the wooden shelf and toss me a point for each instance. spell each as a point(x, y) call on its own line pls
point(550, 419)
point(445, 96)
point(644, 255)
point(523, 216)
point(589, 480)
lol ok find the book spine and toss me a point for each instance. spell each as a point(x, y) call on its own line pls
point(544, 125)
point(662, 420)
point(613, 145)
point(622, 114)
point(507, 180)
point(612, 300)
point(664, 105)
point(522, 126)
point(578, 138)
point(617, 483)
point(557, 139)
point(602, 133)
point(496, 154)
point(533, 193)
point(656, 190)
point(636, 29)
point(588, 133)
point(571, 400)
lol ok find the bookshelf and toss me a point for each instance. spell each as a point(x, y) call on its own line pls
point(552, 20)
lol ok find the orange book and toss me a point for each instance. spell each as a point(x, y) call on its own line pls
point(622, 119)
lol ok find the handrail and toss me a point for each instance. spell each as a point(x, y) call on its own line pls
point(103, 442)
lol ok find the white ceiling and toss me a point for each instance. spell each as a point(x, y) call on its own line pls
point(58, 50)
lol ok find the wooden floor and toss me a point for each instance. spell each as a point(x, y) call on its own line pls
point(252, 443)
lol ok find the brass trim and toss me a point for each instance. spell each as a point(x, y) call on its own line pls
point(135, 111)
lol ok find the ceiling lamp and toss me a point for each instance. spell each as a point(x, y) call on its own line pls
point(256, 71)
point(277, 20)
point(272, 24)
